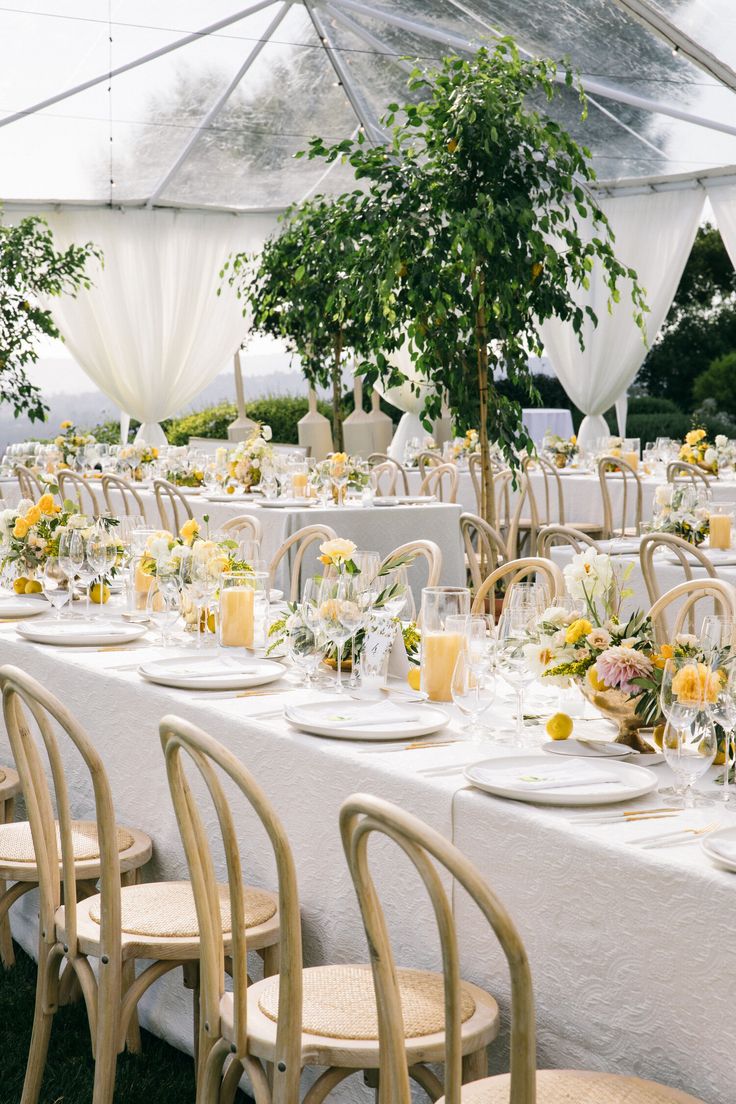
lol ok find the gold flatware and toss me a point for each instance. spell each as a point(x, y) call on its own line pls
point(684, 835)
point(418, 745)
point(624, 814)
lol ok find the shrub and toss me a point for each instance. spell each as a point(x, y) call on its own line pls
point(713, 420)
point(648, 427)
point(281, 412)
point(718, 382)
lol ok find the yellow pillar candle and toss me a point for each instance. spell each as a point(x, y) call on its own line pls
point(632, 459)
point(236, 617)
point(439, 655)
point(720, 530)
point(299, 484)
point(142, 583)
point(220, 456)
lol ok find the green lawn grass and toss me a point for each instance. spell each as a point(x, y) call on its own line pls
point(160, 1073)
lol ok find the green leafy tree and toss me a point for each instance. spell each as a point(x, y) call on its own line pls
point(718, 383)
point(30, 267)
point(479, 241)
point(310, 287)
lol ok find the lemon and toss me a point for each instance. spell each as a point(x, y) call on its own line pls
point(19, 586)
point(658, 734)
point(560, 726)
point(207, 621)
point(33, 587)
point(99, 595)
point(230, 490)
point(414, 678)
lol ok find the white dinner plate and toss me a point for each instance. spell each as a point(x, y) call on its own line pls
point(603, 749)
point(620, 546)
point(415, 500)
point(211, 672)
point(236, 496)
point(189, 490)
point(80, 633)
point(721, 847)
point(719, 557)
point(286, 503)
point(346, 719)
point(572, 782)
point(22, 607)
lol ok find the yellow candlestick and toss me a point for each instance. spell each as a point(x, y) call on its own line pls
point(236, 617)
point(439, 655)
point(299, 484)
point(720, 530)
point(631, 459)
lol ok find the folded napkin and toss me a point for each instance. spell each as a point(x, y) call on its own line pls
point(354, 715)
point(207, 668)
point(546, 778)
point(724, 848)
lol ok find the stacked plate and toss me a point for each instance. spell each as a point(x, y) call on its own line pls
point(22, 607)
point(365, 720)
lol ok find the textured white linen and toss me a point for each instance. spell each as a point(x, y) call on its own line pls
point(152, 331)
point(631, 970)
point(654, 235)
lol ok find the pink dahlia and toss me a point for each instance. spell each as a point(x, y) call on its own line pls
point(617, 667)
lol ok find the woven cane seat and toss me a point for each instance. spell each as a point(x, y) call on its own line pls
point(577, 1087)
point(166, 909)
point(16, 841)
point(339, 1002)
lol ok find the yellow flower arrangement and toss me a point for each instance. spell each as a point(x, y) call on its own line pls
point(20, 529)
point(337, 553)
point(697, 449)
point(66, 425)
point(577, 630)
point(189, 531)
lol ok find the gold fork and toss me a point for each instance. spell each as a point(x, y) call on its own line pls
point(684, 835)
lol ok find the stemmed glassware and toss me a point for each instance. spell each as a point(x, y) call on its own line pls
point(71, 556)
point(56, 584)
point(102, 553)
point(339, 475)
point(473, 685)
point(718, 635)
point(307, 649)
point(688, 694)
point(340, 616)
point(512, 662)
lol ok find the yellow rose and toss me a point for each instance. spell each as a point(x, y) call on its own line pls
point(67, 425)
point(46, 504)
point(189, 530)
point(577, 630)
point(597, 683)
point(58, 441)
point(336, 551)
point(20, 529)
point(696, 683)
point(33, 516)
point(154, 453)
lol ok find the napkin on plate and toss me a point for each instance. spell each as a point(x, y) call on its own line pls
point(353, 715)
point(545, 778)
point(207, 668)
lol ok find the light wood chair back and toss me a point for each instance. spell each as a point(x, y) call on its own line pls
point(297, 546)
point(121, 497)
point(686, 554)
point(244, 527)
point(550, 535)
point(183, 742)
point(680, 469)
point(546, 504)
point(615, 470)
point(24, 697)
point(29, 483)
point(72, 486)
point(384, 473)
point(380, 458)
point(427, 550)
point(485, 548)
point(173, 508)
point(441, 481)
point(516, 571)
point(363, 816)
point(502, 480)
point(689, 593)
point(426, 461)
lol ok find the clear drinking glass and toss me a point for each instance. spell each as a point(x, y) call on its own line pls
point(71, 556)
point(340, 616)
point(685, 693)
point(473, 689)
point(441, 643)
point(102, 552)
point(689, 750)
point(307, 649)
point(56, 584)
point(512, 663)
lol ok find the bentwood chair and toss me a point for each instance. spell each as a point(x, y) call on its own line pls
point(687, 595)
point(362, 817)
point(615, 472)
point(379, 459)
point(29, 483)
point(426, 550)
point(173, 508)
point(384, 478)
point(426, 461)
point(680, 469)
point(243, 527)
point(121, 497)
point(74, 487)
point(295, 548)
point(485, 548)
point(324, 1016)
point(684, 554)
point(516, 571)
point(9, 790)
point(551, 535)
point(441, 481)
point(501, 479)
point(546, 505)
point(116, 925)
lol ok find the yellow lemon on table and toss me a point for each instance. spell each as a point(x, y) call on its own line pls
point(33, 587)
point(414, 678)
point(658, 734)
point(559, 726)
point(19, 586)
point(99, 595)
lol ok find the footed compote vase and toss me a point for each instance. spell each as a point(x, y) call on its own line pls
point(621, 708)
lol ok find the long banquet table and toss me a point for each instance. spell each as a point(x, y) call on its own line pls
point(631, 954)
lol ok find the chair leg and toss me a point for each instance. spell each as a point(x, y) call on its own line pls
point(108, 1024)
point(475, 1066)
point(7, 954)
point(427, 1080)
point(325, 1083)
point(210, 1073)
point(133, 1042)
point(270, 957)
point(190, 971)
point(49, 959)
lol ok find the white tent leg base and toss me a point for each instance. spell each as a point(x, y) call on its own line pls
point(409, 426)
point(592, 427)
point(151, 433)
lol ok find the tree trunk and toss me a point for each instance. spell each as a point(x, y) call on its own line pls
point(337, 394)
point(488, 510)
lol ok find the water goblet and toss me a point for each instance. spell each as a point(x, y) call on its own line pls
point(473, 689)
point(56, 585)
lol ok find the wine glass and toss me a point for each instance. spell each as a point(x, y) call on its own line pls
point(512, 663)
point(395, 598)
point(473, 689)
point(163, 607)
point(102, 553)
point(526, 598)
point(688, 692)
point(689, 752)
point(307, 649)
point(339, 476)
point(724, 714)
point(71, 556)
point(56, 584)
point(340, 616)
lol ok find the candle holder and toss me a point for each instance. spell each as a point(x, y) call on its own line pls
point(243, 609)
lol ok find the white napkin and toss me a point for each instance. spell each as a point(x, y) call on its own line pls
point(354, 715)
point(206, 668)
point(722, 847)
point(546, 778)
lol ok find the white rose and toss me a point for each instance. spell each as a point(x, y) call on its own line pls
point(77, 521)
point(555, 615)
point(686, 640)
point(266, 432)
point(721, 440)
point(663, 494)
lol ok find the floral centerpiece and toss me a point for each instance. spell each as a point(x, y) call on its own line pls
point(135, 458)
point(186, 477)
point(679, 509)
point(463, 446)
point(696, 449)
point(70, 442)
point(725, 451)
point(246, 460)
point(593, 648)
point(561, 451)
point(340, 465)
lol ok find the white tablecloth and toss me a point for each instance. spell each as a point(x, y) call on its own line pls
point(465, 495)
point(540, 421)
point(630, 953)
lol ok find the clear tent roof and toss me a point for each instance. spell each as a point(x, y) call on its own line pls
point(229, 90)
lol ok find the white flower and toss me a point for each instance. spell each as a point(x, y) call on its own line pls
point(24, 506)
point(721, 440)
point(711, 456)
point(556, 615)
point(686, 640)
point(663, 495)
point(77, 521)
point(589, 575)
point(598, 638)
point(266, 432)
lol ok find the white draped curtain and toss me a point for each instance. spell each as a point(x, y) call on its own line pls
point(152, 331)
point(654, 235)
point(723, 201)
